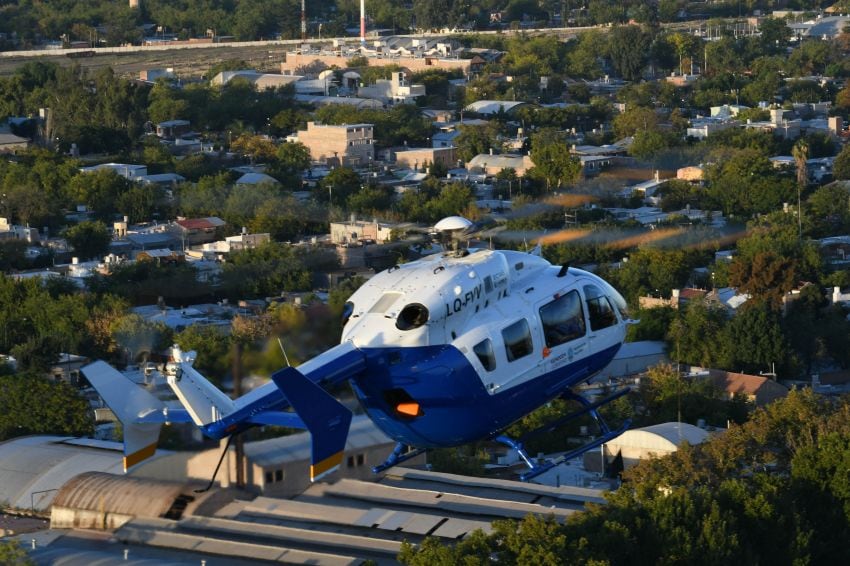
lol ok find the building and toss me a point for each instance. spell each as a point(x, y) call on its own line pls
point(161, 256)
point(10, 143)
point(644, 443)
point(757, 389)
point(691, 173)
point(349, 144)
point(260, 80)
point(491, 164)
point(492, 107)
point(357, 102)
point(152, 75)
point(396, 90)
point(415, 158)
point(16, 232)
point(129, 171)
point(633, 358)
point(173, 128)
point(701, 128)
point(296, 61)
point(194, 231)
point(360, 230)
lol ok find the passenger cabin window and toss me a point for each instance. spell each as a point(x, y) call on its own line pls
point(562, 319)
point(598, 308)
point(484, 351)
point(517, 339)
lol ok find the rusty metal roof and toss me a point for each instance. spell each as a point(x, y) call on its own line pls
point(95, 491)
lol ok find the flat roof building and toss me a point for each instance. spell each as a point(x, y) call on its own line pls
point(348, 144)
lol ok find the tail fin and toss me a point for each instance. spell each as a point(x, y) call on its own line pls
point(204, 401)
point(131, 404)
point(327, 419)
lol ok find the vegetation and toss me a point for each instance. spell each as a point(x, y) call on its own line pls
point(720, 502)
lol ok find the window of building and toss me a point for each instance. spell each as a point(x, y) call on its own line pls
point(598, 308)
point(278, 475)
point(350, 462)
point(361, 459)
point(484, 351)
point(562, 319)
point(269, 477)
point(517, 339)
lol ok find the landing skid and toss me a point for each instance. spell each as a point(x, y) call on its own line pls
point(587, 407)
point(401, 453)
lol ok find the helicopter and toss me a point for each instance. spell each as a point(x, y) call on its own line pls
point(442, 351)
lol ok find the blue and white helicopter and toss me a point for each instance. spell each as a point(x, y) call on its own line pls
point(442, 351)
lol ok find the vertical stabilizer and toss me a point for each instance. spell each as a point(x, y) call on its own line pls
point(131, 404)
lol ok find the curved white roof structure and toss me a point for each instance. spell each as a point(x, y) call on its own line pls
point(659, 439)
point(489, 107)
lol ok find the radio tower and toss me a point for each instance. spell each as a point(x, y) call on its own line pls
point(362, 22)
point(303, 21)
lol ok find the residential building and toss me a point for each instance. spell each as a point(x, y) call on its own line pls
point(396, 90)
point(414, 158)
point(757, 389)
point(194, 231)
point(349, 144)
point(360, 230)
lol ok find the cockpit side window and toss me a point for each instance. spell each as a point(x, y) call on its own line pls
point(484, 351)
point(599, 308)
point(517, 339)
point(562, 319)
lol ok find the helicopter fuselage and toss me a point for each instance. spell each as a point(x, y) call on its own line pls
point(459, 346)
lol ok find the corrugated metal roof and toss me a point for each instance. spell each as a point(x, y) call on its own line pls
point(93, 491)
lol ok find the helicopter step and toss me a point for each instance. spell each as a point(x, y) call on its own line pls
point(535, 469)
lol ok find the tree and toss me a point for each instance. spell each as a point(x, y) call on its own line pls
point(12, 554)
point(338, 186)
point(31, 404)
point(553, 160)
point(255, 147)
point(89, 239)
point(99, 190)
point(628, 48)
point(841, 167)
point(476, 140)
point(766, 275)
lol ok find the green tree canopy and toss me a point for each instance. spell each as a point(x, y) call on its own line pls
point(89, 239)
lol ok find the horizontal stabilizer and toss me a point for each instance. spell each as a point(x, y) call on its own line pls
point(278, 418)
point(327, 419)
point(140, 413)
